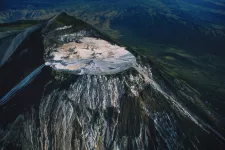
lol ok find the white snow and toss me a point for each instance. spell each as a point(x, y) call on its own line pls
point(63, 28)
point(91, 56)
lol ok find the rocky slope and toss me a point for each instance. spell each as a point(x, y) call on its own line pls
point(138, 108)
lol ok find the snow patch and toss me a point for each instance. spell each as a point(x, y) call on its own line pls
point(90, 55)
point(63, 28)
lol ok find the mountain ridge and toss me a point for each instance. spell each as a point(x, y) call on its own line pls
point(60, 110)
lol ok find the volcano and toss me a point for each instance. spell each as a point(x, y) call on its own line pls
point(66, 85)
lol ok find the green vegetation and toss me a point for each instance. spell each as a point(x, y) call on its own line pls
point(15, 27)
point(170, 58)
point(205, 73)
point(19, 25)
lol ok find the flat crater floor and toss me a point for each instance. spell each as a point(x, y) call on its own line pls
point(90, 55)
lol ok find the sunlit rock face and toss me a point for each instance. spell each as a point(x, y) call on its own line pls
point(89, 55)
point(141, 108)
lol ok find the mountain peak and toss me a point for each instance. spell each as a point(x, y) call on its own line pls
point(117, 100)
point(64, 14)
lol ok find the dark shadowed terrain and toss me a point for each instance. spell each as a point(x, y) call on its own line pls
point(181, 43)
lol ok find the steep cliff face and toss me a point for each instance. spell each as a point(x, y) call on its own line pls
point(136, 108)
